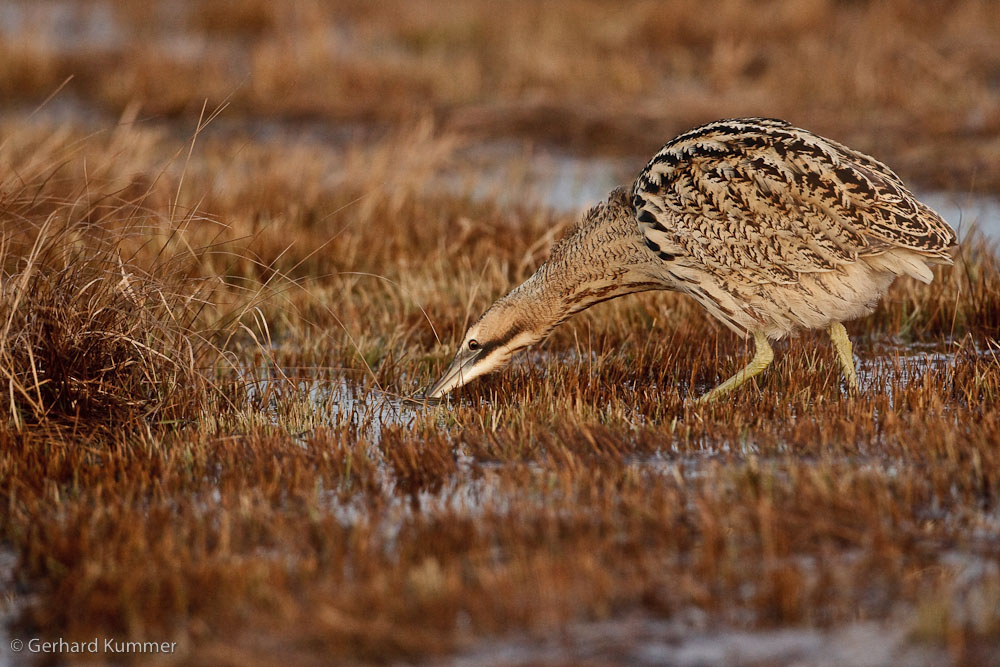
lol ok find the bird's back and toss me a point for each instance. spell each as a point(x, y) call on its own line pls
point(773, 201)
point(774, 228)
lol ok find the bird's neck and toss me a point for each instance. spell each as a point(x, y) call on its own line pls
point(602, 258)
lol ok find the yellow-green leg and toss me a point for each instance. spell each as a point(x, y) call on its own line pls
point(838, 334)
point(761, 359)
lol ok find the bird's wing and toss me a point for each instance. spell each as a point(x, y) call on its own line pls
point(769, 201)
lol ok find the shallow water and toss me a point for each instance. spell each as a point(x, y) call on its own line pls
point(332, 400)
point(63, 27)
point(690, 639)
point(891, 364)
point(687, 643)
point(309, 402)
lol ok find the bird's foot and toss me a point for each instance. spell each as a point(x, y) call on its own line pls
point(762, 358)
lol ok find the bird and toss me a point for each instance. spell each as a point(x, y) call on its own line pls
point(771, 228)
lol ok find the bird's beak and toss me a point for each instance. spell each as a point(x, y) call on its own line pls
point(457, 374)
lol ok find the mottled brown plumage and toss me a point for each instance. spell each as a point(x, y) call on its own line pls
point(770, 227)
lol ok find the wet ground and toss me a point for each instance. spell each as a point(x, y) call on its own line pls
point(689, 642)
point(334, 400)
point(564, 182)
point(513, 174)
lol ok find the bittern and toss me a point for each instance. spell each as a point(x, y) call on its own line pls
point(771, 228)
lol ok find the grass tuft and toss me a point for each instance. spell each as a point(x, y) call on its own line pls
point(92, 343)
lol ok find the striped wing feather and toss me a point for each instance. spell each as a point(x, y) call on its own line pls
point(768, 201)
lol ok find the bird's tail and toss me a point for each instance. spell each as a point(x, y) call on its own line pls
point(907, 262)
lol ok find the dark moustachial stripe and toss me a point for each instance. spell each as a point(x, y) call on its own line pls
point(508, 336)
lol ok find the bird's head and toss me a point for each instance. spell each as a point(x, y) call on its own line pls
point(600, 258)
point(490, 343)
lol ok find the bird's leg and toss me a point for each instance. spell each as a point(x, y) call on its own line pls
point(761, 359)
point(838, 334)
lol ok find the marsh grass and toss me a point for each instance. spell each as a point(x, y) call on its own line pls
point(109, 324)
point(265, 492)
point(91, 343)
point(207, 344)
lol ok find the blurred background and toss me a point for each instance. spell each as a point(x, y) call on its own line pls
point(916, 84)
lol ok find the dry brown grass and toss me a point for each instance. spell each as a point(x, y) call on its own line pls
point(260, 493)
point(90, 343)
point(107, 321)
point(578, 486)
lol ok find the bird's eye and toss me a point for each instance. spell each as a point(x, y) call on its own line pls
point(473, 344)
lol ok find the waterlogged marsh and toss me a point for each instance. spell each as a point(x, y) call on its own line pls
point(330, 399)
point(580, 488)
point(284, 281)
